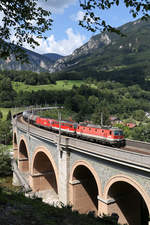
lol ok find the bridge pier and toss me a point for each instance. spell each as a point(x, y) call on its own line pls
point(16, 181)
point(103, 205)
point(23, 165)
point(63, 182)
point(43, 181)
point(15, 152)
point(81, 198)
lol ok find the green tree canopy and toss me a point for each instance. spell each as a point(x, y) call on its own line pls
point(5, 161)
point(1, 115)
point(92, 21)
point(26, 21)
point(9, 115)
point(101, 116)
point(5, 132)
point(139, 115)
point(7, 93)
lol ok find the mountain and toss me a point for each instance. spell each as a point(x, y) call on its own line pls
point(37, 62)
point(53, 56)
point(107, 54)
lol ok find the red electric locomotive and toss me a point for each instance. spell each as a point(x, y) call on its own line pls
point(105, 135)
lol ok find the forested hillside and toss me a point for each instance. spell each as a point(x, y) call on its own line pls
point(108, 56)
point(112, 73)
point(87, 101)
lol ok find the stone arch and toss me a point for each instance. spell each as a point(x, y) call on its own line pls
point(23, 156)
point(127, 198)
point(44, 173)
point(85, 187)
point(15, 145)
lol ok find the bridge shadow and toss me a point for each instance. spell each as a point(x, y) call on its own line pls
point(129, 204)
point(23, 158)
point(85, 192)
point(44, 177)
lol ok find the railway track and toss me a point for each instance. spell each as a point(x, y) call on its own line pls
point(137, 150)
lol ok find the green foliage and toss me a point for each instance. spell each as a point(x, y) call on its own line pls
point(5, 132)
point(84, 102)
point(54, 113)
point(142, 133)
point(9, 115)
point(139, 115)
point(5, 161)
point(23, 210)
point(123, 60)
point(93, 100)
point(19, 17)
point(1, 115)
point(29, 77)
point(60, 85)
point(92, 21)
point(101, 116)
point(7, 93)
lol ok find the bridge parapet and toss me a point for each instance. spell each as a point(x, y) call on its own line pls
point(132, 159)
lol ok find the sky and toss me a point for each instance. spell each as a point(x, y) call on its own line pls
point(66, 35)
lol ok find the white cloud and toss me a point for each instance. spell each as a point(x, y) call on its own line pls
point(79, 16)
point(56, 6)
point(62, 47)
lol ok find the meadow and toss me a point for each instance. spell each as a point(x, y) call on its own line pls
point(13, 111)
point(20, 86)
point(60, 85)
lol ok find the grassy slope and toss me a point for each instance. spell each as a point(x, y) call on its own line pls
point(19, 86)
point(60, 85)
point(16, 209)
point(13, 111)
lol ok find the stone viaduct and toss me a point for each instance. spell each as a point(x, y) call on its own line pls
point(88, 176)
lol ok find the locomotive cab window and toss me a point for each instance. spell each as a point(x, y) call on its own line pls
point(110, 132)
point(116, 132)
point(75, 126)
point(121, 133)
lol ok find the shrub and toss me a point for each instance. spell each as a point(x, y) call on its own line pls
point(5, 162)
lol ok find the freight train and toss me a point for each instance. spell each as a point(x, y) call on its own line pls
point(111, 136)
